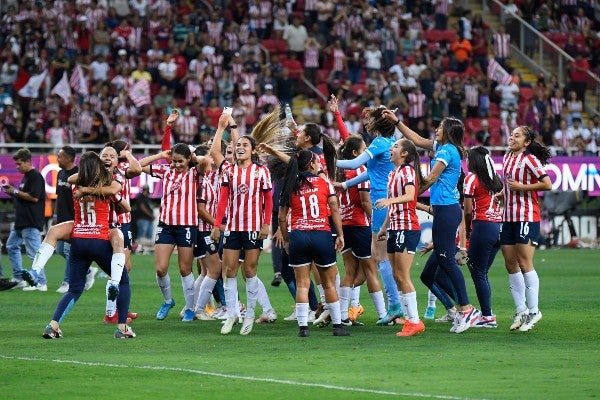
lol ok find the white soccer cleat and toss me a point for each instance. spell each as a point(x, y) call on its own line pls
point(228, 325)
point(246, 326)
point(291, 317)
point(269, 317)
point(519, 320)
point(530, 321)
point(323, 320)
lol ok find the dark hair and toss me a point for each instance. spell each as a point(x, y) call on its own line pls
point(413, 157)
point(329, 152)
point(482, 166)
point(119, 145)
point(534, 147)
point(346, 152)
point(454, 131)
point(92, 172)
point(22, 155)
point(294, 180)
point(182, 149)
point(254, 157)
point(376, 123)
point(202, 150)
point(69, 151)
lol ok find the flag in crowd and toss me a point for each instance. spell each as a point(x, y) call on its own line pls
point(79, 82)
point(32, 86)
point(497, 73)
point(62, 88)
point(140, 93)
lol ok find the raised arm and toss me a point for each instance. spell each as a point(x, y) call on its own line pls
point(355, 162)
point(334, 108)
point(166, 140)
point(135, 169)
point(407, 132)
point(215, 147)
point(146, 161)
point(266, 148)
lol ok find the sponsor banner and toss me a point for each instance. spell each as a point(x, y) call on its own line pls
point(566, 173)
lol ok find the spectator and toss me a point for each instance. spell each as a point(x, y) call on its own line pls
point(143, 215)
point(581, 139)
point(509, 98)
point(29, 201)
point(501, 42)
point(578, 73)
point(296, 36)
point(461, 49)
point(561, 139)
point(483, 135)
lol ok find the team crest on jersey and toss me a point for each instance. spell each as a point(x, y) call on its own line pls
point(256, 174)
point(175, 186)
point(242, 189)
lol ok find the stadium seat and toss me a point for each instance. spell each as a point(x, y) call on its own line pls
point(433, 35)
point(322, 76)
point(494, 112)
point(526, 94)
point(359, 88)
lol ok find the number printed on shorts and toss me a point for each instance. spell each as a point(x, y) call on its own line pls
point(313, 206)
point(524, 230)
point(252, 236)
point(400, 237)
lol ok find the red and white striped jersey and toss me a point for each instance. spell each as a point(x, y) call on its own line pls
point(246, 196)
point(125, 193)
point(526, 169)
point(216, 60)
point(92, 216)
point(210, 199)
point(338, 59)
point(502, 44)
point(209, 83)
point(416, 105)
point(192, 90)
point(234, 42)
point(265, 99)
point(179, 195)
point(310, 207)
point(557, 104)
point(403, 216)
point(472, 95)
point(484, 206)
point(351, 210)
point(187, 128)
point(214, 29)
point(311, 57)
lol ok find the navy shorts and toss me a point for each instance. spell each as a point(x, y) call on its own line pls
point(83, 253)
point(179, 235)
point(309, 246)
point(236, 240)
point(520, 233)
point(358, 240)
point(398, 241)
point(204, 244)
point(126, 229)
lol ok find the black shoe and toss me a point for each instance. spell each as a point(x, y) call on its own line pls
point(276, 280)
point(6, 284)
point(349, 322)
point(303, 331)
point(338, 330)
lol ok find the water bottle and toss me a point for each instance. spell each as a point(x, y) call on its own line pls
point(288, 113)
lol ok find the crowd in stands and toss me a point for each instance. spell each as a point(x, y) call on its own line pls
point(200, 56)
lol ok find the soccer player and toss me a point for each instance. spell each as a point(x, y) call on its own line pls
point(404, 230)
point(483, 219)
point(524, 174)
point(89, 243)
point(309, 197)
point(178, 219)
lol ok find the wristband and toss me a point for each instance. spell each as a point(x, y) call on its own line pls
point(233, 126)
point(463, 249)
point(15, 192)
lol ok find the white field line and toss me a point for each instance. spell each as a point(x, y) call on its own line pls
point(241, 377)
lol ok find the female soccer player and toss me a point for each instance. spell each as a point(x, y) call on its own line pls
point(178, 220)
point(245, 197)
point(442, 180)
point(377, 159)
point(483, 219)
point(89, 242)
point(404, 230)
point(523, 167)
point(355, 211)
point(309, 197)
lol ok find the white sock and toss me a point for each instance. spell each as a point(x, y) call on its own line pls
point(204, 292)
point(517, 289)
point(41, 257)
point(321, 294)
point(344, 293)
point(251, 295)
point(111, 305)
point(164, 284)
point(187, 283)
point(355, 296)
point(334, 311)
point(263, 297)
point(431, 299)
point(302, 314)
point(338, 281)
point(409, 300)
point(379, 303)
point(231, 296)
point(532, 290)
point(197, 284)
point(117, 263)
point(402, 304)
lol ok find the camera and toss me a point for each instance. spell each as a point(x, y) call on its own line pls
point(227, 110)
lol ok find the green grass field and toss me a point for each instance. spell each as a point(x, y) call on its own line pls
point(558, 359)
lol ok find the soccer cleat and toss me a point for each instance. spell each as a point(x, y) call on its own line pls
point(355, 312)
point(63, 288)
point(114, 319)
point(311, 316)
point(112, 291)
point(209, 309)
point(530, 321)
point(276, 279)
point(429, 313)
point(465, 319)
point(303, 331)
point(393, 312)
point(126, 334)
point(40, 287)
point(188, 315)
point(132, 315)
point(19, 285)
point(203, 316)
point(411, 328)
point(486, 322)
point(6, 284)
point(164, 310)
point(450, 316)
point(220, 313)
point(247, 326)
point(349, 322)
point(51, 333)
point(90, 278)
point(323, 320)
point(228, 325)
point(519, 320)
point(340, 331)
point(30, 277)
point(292, 316)
point(271, 316)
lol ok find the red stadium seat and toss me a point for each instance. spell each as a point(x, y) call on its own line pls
point(322, 75)
point(526, 94)
point(433, 35)
point(494, 112)
point(359, 88)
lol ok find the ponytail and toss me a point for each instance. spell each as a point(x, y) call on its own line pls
point(482, 165)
